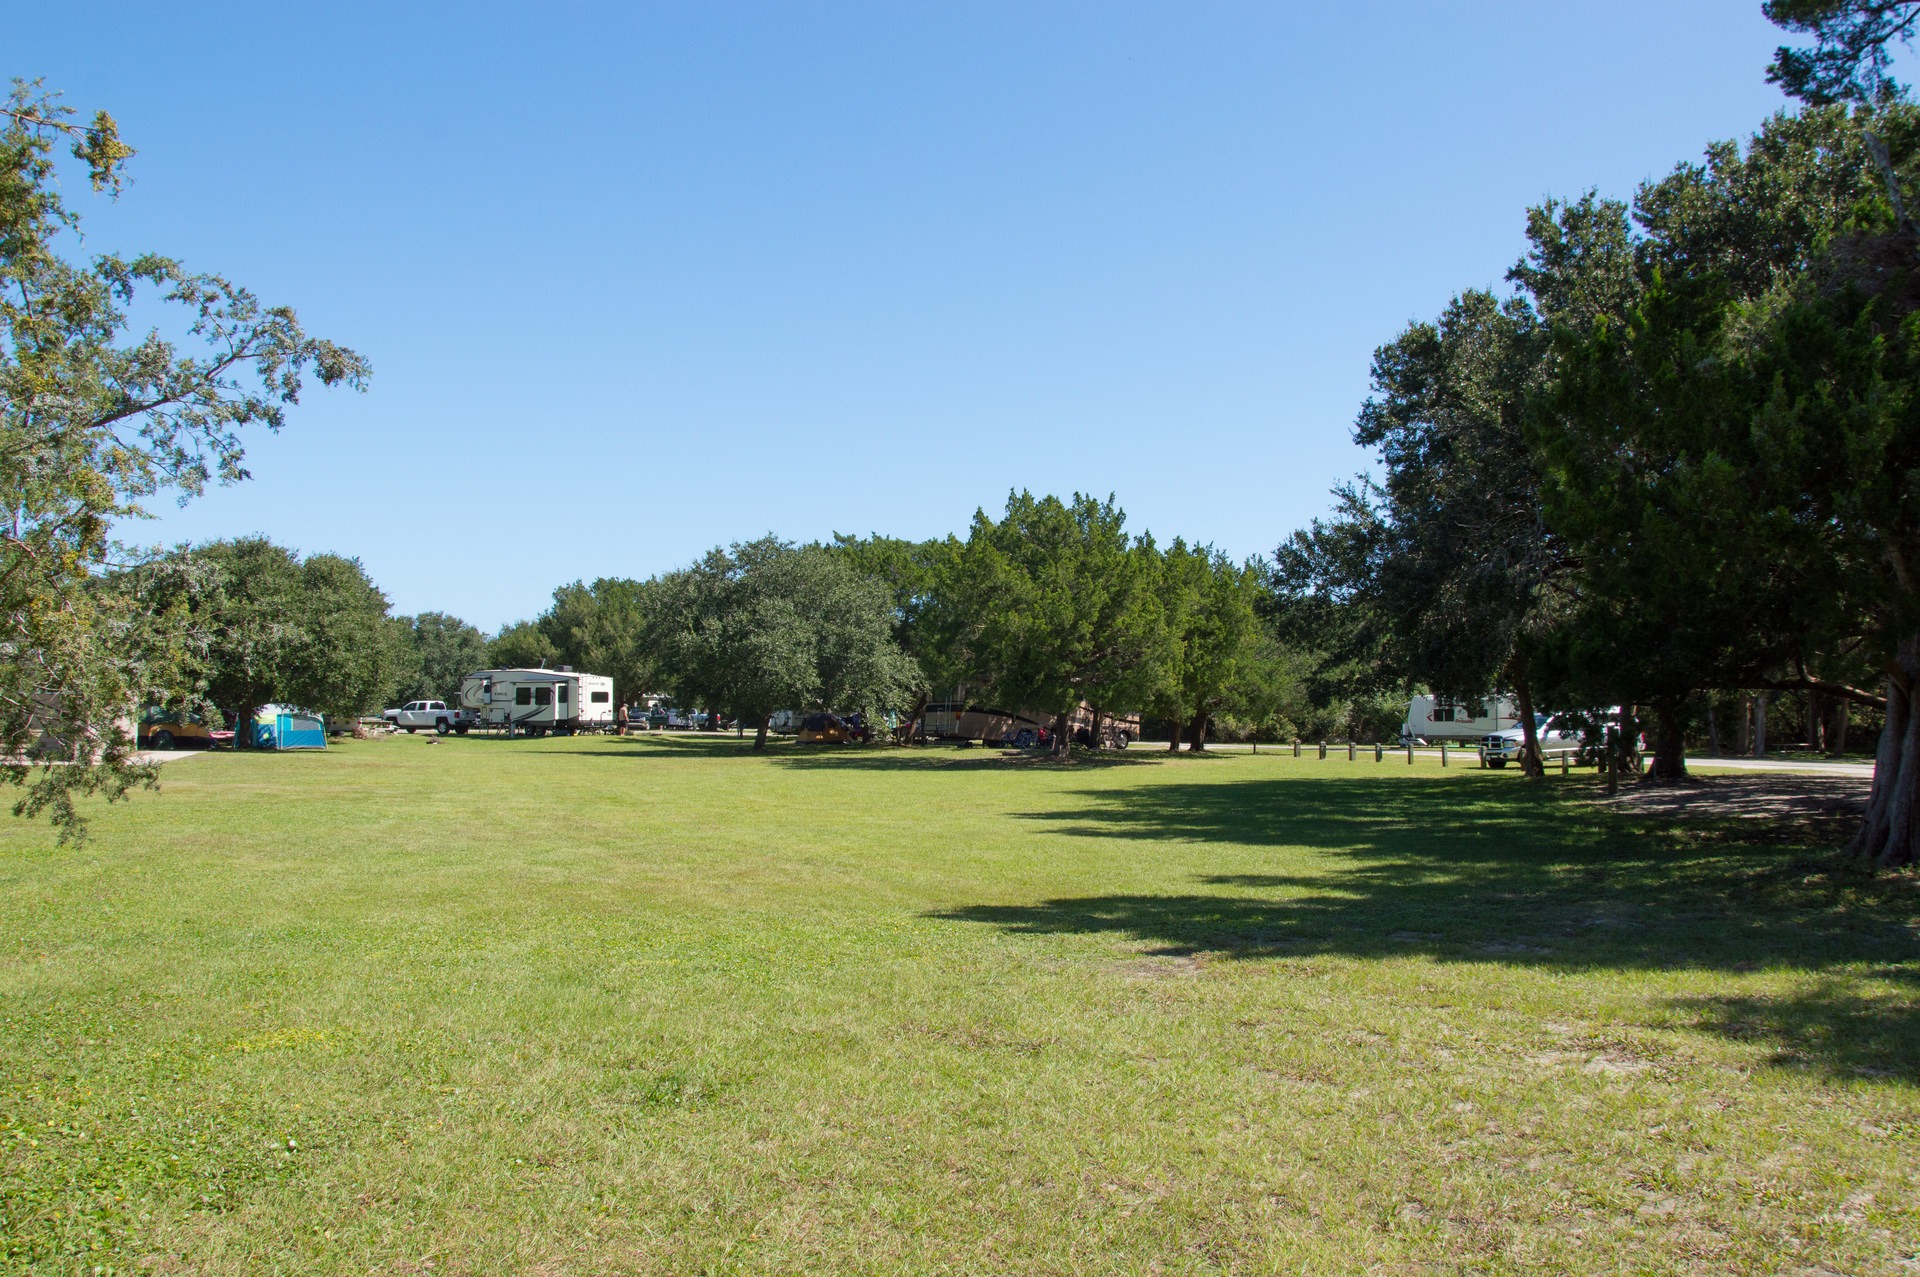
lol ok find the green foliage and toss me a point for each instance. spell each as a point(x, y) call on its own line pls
point(522, 645)
point(1834, 397)
point(1577, 499)
point(1698, 527)
point(312, 632)
point(1056, 605)
point(1679, 575)
point(1445, 568)
point(438, 652)
point(94, 422)
point(1268, 696)
point(606, 628)
point(918, 575)
point(1207, 606)
point(767, 626)
point(1852, 58)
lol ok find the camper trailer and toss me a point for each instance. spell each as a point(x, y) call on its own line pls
point(956, 720)
point(536, 702)
point(1431, 718)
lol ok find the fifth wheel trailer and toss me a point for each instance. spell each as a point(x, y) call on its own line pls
point(536, 702)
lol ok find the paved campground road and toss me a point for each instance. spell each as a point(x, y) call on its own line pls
point(1810, 767)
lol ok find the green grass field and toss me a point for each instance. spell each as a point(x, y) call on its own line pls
point(657, 1006)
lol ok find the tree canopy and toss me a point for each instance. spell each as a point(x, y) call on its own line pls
point(312, 632)
point(1056, 604)
point(765, 626)
point(437, 653)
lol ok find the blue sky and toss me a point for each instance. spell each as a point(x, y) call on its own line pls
point(640, 279)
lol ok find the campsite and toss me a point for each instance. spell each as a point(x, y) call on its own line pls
point(642, 640)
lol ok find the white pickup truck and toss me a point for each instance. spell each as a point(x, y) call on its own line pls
point(1560, 735)
point(437, 715)
point(1555, 733)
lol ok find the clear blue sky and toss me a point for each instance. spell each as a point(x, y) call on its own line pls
point(640, 279)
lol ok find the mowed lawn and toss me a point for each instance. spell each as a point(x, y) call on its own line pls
point(658, 1006)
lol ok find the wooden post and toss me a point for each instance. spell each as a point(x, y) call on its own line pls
point(1443, 751)
point(1352, 747)
point(1323, 751)
point(1409, 753)
point(1296, 749)
point(1563, 762)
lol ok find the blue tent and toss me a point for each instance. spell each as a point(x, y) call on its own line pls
point(284, 727)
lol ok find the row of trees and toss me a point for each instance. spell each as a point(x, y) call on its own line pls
point(1051, 606)
point(1681, 456)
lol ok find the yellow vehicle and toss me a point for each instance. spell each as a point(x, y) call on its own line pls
point(162, 728)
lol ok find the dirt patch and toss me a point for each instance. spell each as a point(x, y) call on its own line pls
point(1783, 796)
point(1167, 966)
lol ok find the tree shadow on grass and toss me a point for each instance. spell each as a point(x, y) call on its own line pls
point(1476, 869)
point(1832, 1026)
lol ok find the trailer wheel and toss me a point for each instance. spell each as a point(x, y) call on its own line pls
point(460, 730)
point(411, 730)
point(441, 726)
point(162, 739)
point(1496, 762)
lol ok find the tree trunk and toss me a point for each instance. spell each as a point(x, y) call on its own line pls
point(243, 729)
point(1841, 717)
point(913, 719)
point(1062, 742)
point(1669, 742)
point(1713, 730)
point(760, 732)
point(1530, 761)
point(1743, 739)
point(1815, 713)
point(1197, 732)
point(1095, 719)
point(1887, 836)
point(1173, 738)
point(1760, 725)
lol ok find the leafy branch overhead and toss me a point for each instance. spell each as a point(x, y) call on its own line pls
point(1852, 57)
point(94, 421)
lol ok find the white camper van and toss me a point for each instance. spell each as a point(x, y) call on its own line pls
point(540, 701)
point(1431, 718)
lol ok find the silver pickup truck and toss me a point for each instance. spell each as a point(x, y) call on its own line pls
point(437, 715)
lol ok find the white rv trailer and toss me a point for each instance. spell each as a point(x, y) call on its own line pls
point(1440, 718)
point(540, 701)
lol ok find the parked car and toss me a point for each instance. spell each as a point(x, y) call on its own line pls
point(665, 714)
point(437, 715)
point(161, 728)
